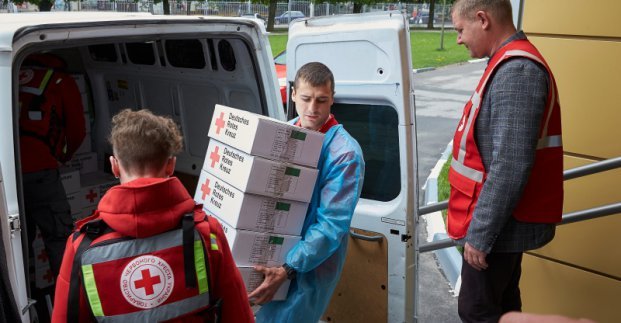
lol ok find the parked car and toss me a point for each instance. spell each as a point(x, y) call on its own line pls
point(421, 18)
point(255, 16)
point(285, 18)
point(280, 62)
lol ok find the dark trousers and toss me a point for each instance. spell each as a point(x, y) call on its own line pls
point(486, 295)
point(47, 208)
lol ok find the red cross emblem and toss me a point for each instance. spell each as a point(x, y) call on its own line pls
point(220, 122)
point(42, 256)
point(214, 156)
point(91, 195)
point(49, 277)
point(147, 282)
point(205, 189)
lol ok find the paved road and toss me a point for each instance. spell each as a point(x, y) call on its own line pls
point(440, 97)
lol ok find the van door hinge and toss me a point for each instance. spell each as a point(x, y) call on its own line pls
point(405, 237)
point(14, 223)
point(30, 304)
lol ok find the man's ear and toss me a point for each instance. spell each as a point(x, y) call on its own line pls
point(170, 165)
point(484, 19)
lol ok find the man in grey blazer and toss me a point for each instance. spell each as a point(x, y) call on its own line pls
point(506, 172)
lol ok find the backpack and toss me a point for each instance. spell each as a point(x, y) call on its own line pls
point(41, 113)
point(152, 279)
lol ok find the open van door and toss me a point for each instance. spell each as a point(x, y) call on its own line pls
point(12, 281)
point(369, 55)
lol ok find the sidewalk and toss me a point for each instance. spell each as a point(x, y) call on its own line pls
point(440, 97)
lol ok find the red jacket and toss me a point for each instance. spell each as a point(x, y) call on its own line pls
point(62, 93)
point(542, 199)
point(150, 206)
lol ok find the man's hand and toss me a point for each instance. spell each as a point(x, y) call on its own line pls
point(274, 277)
point(475, 257)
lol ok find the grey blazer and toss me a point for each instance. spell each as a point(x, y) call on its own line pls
point(506, 132)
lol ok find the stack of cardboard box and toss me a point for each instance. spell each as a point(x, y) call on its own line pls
point(83, 177)
point(257, 179)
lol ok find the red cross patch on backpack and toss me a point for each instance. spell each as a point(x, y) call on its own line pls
point(158, 278)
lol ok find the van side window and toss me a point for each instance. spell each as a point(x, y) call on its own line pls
point(186, 53)
point(376, 130)
point(103, 52)
point(227, 55)
point(140, 53)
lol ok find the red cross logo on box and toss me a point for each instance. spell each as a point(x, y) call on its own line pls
point(214, 156)
point(42, 256)
point(91, 195)
point(49, 277)
point(220, 123)
point(147, 282)
point(205, 189)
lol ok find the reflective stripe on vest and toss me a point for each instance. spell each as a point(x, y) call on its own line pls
point(164, 312)
point(214, 241)
point(542, 198)
point(544, 141)
point(38, 90)
point(136, 247)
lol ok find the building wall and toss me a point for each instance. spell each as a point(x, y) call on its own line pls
point(579, 273)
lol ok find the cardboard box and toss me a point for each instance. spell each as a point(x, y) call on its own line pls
point(85, 147)
point(258, 175)
point(87, 122)
point(252, 280)
point(71, 179)
point(85, 162)
point(76, 202)
point(94, 186)
point(257, 248)
point(87, 211)
point(266, 137)
point(43, 273)
point(249, 211)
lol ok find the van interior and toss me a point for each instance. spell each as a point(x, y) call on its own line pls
point(179, 77)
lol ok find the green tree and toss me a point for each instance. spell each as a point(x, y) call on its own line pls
point(44, 5)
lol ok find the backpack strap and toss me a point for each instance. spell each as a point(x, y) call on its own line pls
point(187, 225)
point(91, 230)
point(216, 304)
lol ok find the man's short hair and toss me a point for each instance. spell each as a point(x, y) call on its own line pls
point(316, 74)
point(500, 9)
point(142, 140)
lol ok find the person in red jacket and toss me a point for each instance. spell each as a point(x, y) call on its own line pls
point(52, 128)
point(148, 204)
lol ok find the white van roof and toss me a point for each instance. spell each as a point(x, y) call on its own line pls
point(12, 23)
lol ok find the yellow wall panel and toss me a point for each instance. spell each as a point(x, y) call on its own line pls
point(573, 17)
point(590, 244)
point(588, 74)
point(548, 287)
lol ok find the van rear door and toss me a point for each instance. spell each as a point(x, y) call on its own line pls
point(12, 281)
point(369, 55)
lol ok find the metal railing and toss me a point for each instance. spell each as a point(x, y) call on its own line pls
point(577, 216)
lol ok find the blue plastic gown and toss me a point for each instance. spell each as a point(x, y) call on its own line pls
point(319, 257)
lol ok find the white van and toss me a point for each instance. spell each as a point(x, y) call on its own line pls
point(182, 66)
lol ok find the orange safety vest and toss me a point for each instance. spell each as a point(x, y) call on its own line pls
point(542, 199)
